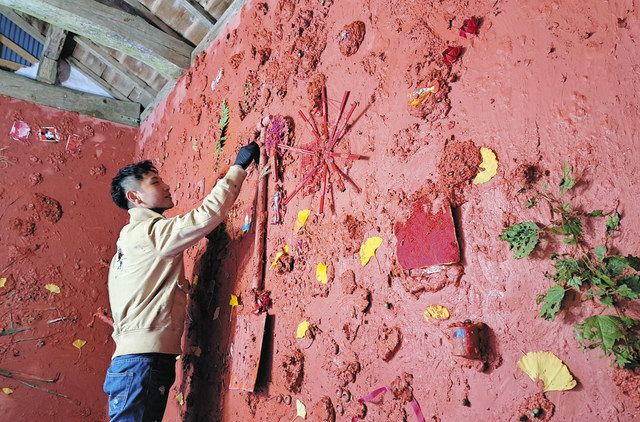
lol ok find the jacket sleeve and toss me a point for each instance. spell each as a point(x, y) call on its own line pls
point(171, 236)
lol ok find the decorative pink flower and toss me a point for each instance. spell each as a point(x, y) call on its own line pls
point(469, 27)
point(451, 54)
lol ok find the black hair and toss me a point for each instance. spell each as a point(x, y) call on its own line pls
point(126, 174)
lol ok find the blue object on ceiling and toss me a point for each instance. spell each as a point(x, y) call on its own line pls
point(18, 36)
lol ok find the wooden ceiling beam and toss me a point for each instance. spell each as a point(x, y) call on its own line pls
point(20, 87)
point(113, 28)
point(149, 15)
point(196, 9)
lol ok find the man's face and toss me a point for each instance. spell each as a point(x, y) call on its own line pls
point(154, 193)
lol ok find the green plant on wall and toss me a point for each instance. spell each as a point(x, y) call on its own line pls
point(593, 273)
point(223, 123)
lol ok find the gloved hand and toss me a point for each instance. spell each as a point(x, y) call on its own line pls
point(247, 154)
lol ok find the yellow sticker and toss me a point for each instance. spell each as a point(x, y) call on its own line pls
point(301, 331)
point(180, 399)
point(3, 281)
point(233, 302)
point(436, 312)
point(301, 410)
point(303, 215)
point(79, 344)
point(549, 368)
point(285, 250)
point(321, 273)
point(196, 279)
point(53, 288)
point(489, 166)
point(8, 391)
point(368, 249)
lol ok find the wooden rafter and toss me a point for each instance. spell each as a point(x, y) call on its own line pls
point(113, 28)
point(147, 94)
point(196, 9)
point(22, 23)
point(218, 27)
point(16, 86)
point(18, 50)
point(8, 64)
point(148, 14)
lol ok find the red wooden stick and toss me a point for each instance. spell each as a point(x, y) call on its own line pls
point(324, 188)
point(349, 156)
point(314, 130)
point(305, 180)
point(345, 98)
point(346, 177)
point(325, 115)
point(344, 127)
point(295, 149)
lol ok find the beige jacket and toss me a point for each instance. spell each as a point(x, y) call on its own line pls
point(147, 302)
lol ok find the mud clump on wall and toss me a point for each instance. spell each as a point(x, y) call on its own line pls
point(351, 37)
point(388, 342)
point(323, 411)
point(291, 371)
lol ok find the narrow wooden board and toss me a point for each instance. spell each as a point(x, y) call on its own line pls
point(247, 348)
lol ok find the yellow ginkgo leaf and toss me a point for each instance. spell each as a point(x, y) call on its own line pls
point(303, 215)
point(489, 166)
point(8, 391)
point(368, 249)
point(301, 331)
point(216, 313)
point(180, 399)
point(3, 281)
point(233, 302)
point(436, 312)
point(78, 344)
point(321, 273)
point(301, 410)
point(285, 250)
point(549, 368)
point(53, 288)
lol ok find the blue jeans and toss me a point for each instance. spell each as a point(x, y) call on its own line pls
point(138, 386)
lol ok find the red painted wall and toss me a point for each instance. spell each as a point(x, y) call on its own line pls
point(72, 253)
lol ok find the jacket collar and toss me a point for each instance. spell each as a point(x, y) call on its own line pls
point(142, 214)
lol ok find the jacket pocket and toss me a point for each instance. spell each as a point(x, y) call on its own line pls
point(118, 387)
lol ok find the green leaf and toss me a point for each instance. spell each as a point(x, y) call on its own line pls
point(566, 207)
point(522, 238)
point(626, 292)
point(565, 269)
point(551, 302)
point(575, 282)
point(572, 226)
point(616, 265)
point(613, 222)
point(567, 181)
point(606, 301)
point(601, 251)
point(633, 262)
point(600, 330)
point(596, 213)
point(530, 203)
point(631, 281)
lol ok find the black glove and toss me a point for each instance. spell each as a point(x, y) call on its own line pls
point(247, 154)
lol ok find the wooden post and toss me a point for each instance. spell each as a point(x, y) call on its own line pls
point(113, 28)
point(48, 69)
point(16, 86)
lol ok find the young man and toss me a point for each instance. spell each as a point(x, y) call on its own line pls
point(146, 283)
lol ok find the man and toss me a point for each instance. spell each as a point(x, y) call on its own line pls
point(145, 283)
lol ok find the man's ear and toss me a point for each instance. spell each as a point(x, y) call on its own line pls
point(133, 197)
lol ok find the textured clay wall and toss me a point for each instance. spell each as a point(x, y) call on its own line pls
point(58, 227)
point(542, 83)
